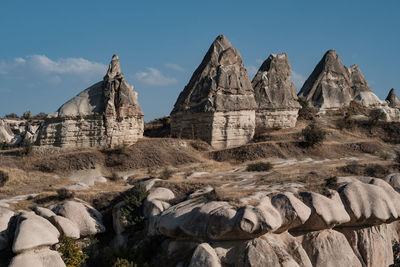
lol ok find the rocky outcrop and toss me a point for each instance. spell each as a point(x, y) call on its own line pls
point(275, 94)
point(106, 114)
point(352, 225)
point(331, 85)
point(6, 135)
point(217, 105)
point(392, 99)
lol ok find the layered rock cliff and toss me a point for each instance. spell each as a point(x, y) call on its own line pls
point(275, 94)
point(105, 114)
point(217, 105)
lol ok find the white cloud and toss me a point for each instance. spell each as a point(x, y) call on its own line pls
point(251, 70)
point(44, 66)
point(154, 77)
point(174, 66)
point(298, 79)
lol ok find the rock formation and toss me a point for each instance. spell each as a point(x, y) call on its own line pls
point(275, 94)
point(392, 99)
point(217, 105)
point(105, 114)
point(331, 85)
point(6, 135)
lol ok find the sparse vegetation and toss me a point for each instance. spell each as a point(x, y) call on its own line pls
point(123, 263)
point(375, 116)
point(313, 135)
point(132, 211)
point(71, 252)
point(346, 122)
point(3, 178)
point(166, 173)
point(64, 193)
point(306, 112)
point(200, 145)
point(396, 254)
point(27, 115)
point(11, 116)
point(259, 167)
point(27, 147)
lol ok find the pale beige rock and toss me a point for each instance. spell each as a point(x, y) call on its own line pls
point(293, 212)
point(44, 212)
point(326, 212)
point(217, 105)
point(329, 248)
point(160, 193)
point(204, 255)
point(33, 231)
point(65, 226)
point(40, 258)
point(6, 135)
point(88, 220)
point(372, 245)
point(5, 216)
point(394, 180)
point(106, 114)
point(392, 99)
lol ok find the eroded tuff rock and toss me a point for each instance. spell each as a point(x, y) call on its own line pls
point(275, 94)
point(6, 135)
point(392, 99)
point(332, 85)
point(105, 114)
point(40, 258)
point(217, 105)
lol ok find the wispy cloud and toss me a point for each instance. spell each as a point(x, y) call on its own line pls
point(251, 70)
point(154, 77)
point(41, 65)
point(174, 66)
point(298, 79)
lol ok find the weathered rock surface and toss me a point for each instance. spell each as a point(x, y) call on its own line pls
point(329, 248)
point(40, 258)
point(394, 180)
point(204, 255)
point(217, 105)
point(87, 219)
point(331, 85)
point(67, 227)
point(33, 231)
point(5, 216)
point(105, 114)
point(6, 135)
point(275, 94)
point(392, 99)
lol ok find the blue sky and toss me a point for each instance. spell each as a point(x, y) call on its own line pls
point(52, 50)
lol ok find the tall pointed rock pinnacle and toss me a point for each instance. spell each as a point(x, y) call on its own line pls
point(217, 105)
point(392, 99)
point(329, 85)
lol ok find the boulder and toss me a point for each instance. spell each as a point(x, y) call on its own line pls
point(44, 212)
point(106, 114)
point(329, 248)
point(292, 211)
point(65, 226)
point(160, 193)
point(5, 216)
point(33, 231)
point(6, 135)
point(204, 255)
point(38, 258)
point(87, 219)
point(394, 180)
point(217, 105)
point(326, 212)
point(372, 245)
point(392, 99)
point(275, 94)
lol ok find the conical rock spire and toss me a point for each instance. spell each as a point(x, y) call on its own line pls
point(392, 99)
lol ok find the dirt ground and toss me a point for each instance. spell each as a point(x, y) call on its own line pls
point(185, 165)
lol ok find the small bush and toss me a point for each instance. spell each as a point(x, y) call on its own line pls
point(64, 193)
point(166, 173)
point(313, 135)
point(3, 178)
point(259, 167)
point(132, 211)
point(396, 254)
point(114, 177)
point(151, 172)
point(71, 252)
point(375, 170)
point(331, 182)
point(306, 112)
point(375, 116)
point(199, 145)
point(27, 115)
point(346, 122)
point(27, 147)
point(11, 116)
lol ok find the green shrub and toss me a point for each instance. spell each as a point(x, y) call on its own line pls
point(132, 211)
point(313, 135)
point(71, 252)
point(27, 147)
point(259, 167)
point(306, 112)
